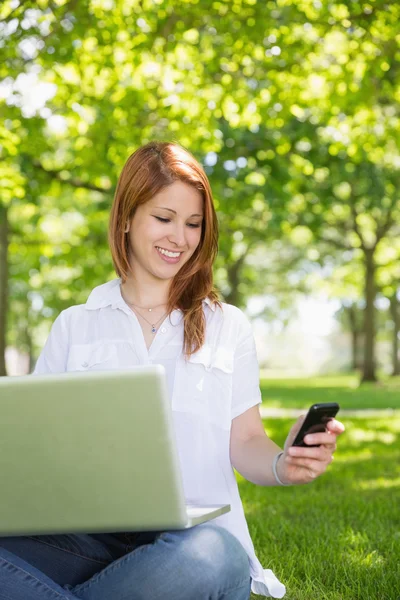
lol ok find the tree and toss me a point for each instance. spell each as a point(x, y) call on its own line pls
point(388, 281)
point(116, 76)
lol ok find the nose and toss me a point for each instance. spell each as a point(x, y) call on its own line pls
point(177, 235)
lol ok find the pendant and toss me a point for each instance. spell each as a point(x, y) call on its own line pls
point(153, 329)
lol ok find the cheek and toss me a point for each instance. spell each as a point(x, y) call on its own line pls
point(155, 231)
point(195, 238)
point(145, 233)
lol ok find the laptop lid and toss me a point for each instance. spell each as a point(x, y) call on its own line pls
point(88, 452)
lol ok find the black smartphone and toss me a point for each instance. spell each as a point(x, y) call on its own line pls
point(315, 421)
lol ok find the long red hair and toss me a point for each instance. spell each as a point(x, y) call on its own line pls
point(146, 172)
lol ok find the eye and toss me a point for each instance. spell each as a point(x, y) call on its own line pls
point(191, 225)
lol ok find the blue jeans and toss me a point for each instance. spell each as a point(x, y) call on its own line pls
point(202, 563)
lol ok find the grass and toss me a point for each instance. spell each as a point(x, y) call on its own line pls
point(339, 537)
point(345, 389)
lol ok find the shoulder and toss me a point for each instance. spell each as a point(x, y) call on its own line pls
point(68, 319)
point(72, 313)
point(232, 314)
point(228, 322)
point(102, 296)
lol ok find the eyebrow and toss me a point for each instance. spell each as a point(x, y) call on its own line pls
point(174, 211)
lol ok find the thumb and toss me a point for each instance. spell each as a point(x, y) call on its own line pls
point(294, 431)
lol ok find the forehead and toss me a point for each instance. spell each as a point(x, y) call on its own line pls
point(180, 197)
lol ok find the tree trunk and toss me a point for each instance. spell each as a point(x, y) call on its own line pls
point(30, 349)
point(369, 366)
point(355, 336)
point(3, 286)
point(233, 296)
point(394, 309)
point(234, 273)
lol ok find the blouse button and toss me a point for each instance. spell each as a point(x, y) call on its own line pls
point(84, 364)
point(163, 330)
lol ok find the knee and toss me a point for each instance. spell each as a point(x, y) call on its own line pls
point(217, 559)
point(226, 553)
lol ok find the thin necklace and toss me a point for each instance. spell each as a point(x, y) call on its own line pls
point(143, 307)
point(153, 325)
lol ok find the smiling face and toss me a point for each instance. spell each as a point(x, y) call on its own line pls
point(165, 231)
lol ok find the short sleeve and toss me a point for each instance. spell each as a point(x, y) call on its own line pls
point(53, 358)
point(246, 391)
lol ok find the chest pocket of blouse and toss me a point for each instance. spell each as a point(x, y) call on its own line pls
point(203, 385)
point(92, 357)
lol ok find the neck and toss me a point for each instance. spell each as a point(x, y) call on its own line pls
point(145, 295)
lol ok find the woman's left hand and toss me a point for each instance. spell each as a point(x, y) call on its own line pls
point(301, 464)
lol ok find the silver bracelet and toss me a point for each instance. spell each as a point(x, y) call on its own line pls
point(274, 463)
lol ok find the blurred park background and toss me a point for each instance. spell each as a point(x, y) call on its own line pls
point(293, 109)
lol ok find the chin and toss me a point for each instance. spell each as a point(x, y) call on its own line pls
point(159, 274)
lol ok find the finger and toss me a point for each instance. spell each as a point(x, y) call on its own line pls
point(335, 427)
point(309, 472)
point(320, 453)
point(326, 439)
point(314, 466)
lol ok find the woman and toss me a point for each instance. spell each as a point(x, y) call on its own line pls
point(163, 309)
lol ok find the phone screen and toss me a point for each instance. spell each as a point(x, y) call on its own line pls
point(315, 421)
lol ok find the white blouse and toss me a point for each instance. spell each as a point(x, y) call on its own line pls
point(217, 383)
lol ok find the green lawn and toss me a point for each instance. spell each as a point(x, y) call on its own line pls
point(338, 538)
point(345, 389)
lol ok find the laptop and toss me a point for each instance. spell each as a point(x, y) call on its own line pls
point(91, 453)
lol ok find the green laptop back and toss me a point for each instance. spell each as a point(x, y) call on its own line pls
point(88, 452)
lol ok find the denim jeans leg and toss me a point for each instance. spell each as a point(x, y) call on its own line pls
point(65, 559)
point(43, 567)
point(202, 563)
point(21, 581)
point(205, 562)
